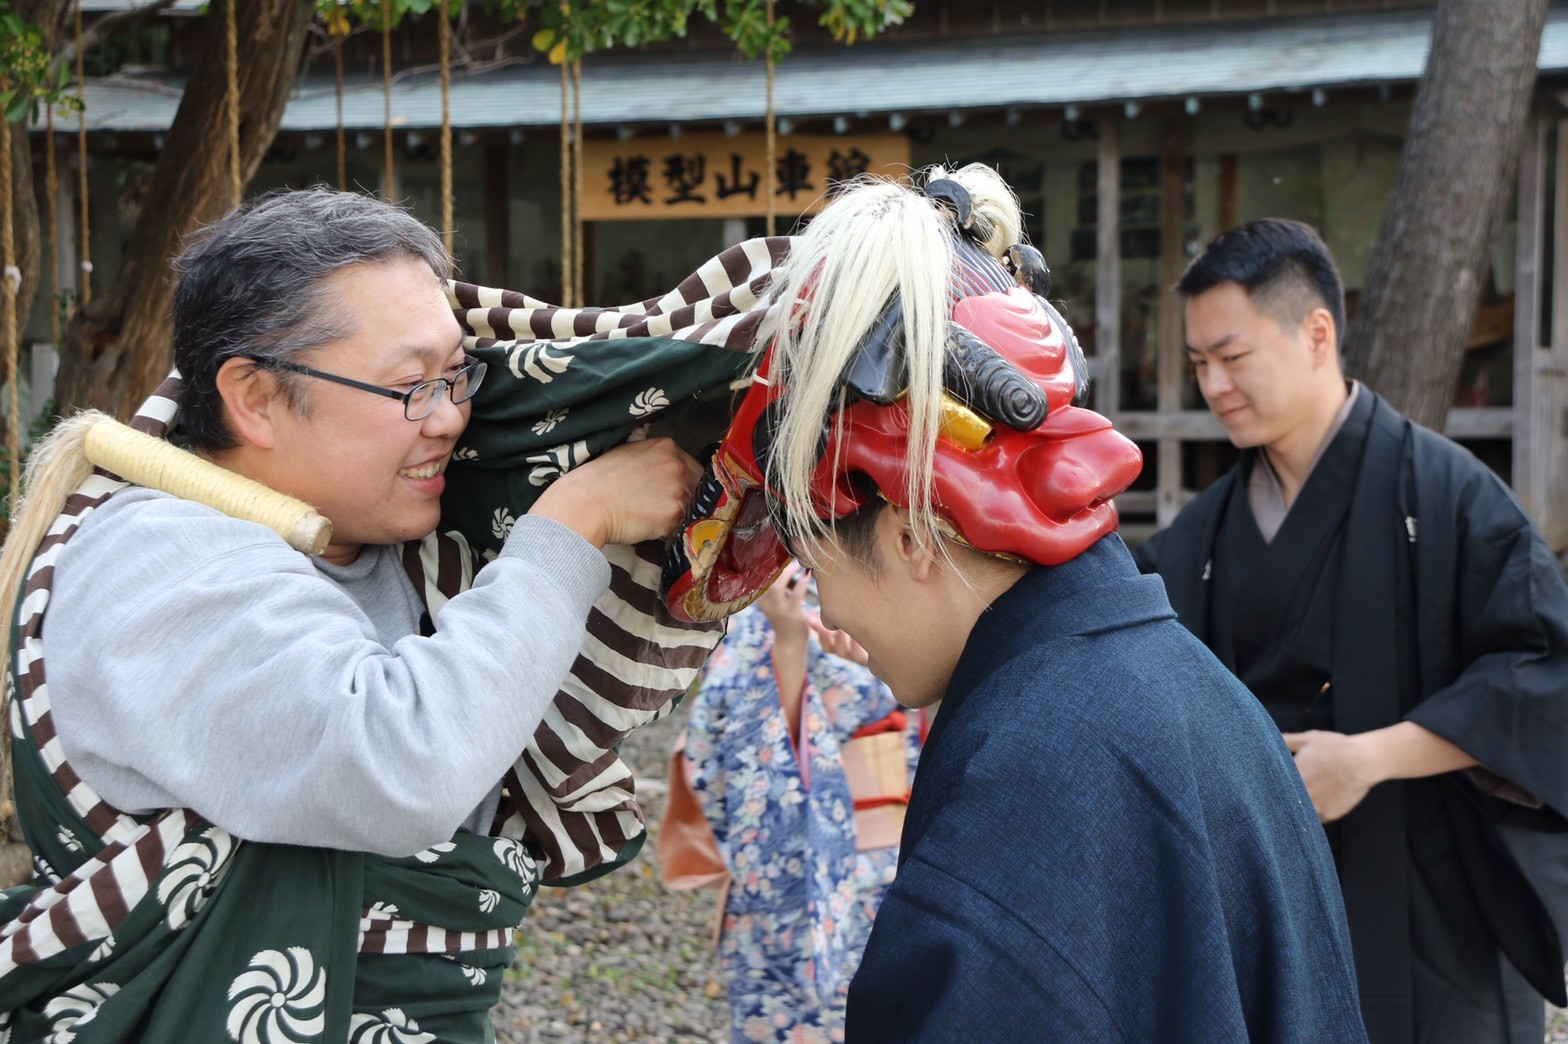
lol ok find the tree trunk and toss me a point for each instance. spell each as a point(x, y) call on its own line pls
point(117, 348)
point(1455, 170)
point(49, 16)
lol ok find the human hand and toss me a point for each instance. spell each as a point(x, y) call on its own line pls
point(784, 604)
point(638, 491)
point(1336, 769)
point(837, 642)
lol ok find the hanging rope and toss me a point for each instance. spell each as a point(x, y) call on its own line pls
point(386, 88)
point(446, 126)
point(52, 193)
point(337, 68)
point(232, 54)
point(771, 126)
point(8, 306)
point(566, 189)
point(85, 289)
point(12, 277)
point(577, 182)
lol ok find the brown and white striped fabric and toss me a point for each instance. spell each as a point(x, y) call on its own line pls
point(381, 931)
point(89, 901)
point(577, 798)
point(32, 689)
point(719, 304)
point(571, 800)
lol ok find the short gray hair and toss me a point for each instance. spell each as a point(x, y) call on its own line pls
point(250, 285)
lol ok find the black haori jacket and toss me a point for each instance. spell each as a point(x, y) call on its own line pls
point(1449, 611)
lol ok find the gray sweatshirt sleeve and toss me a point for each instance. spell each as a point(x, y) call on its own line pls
point(196, 661)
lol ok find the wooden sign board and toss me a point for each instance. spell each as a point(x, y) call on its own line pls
point(716, 176)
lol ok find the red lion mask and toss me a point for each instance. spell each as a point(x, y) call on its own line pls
point(1019, 470)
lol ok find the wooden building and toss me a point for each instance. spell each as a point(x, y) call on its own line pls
point(1133, 130)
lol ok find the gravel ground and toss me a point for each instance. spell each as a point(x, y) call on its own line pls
point(623, 959)
point(620, 958)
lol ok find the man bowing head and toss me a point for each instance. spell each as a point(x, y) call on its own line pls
point(1106, 838)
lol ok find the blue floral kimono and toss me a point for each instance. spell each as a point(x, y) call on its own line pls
point(801, 899)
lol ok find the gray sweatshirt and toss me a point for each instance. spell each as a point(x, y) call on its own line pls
point(196, 661)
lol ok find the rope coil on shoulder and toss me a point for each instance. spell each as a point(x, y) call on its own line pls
point(156, 464)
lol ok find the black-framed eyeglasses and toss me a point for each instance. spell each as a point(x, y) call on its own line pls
point(421, 400)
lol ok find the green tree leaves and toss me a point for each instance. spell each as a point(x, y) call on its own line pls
point(566, 30)
point(26, 77)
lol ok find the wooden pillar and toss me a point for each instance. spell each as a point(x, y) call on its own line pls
point(1540, 412)
point(1171, 359)
point(590, 262)
point(1227, 192)
point(1108, 273)
point(1549, 424)
point(1527, 304)
point(1555, 339)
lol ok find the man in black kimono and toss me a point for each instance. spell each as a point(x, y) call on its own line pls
point(1405, 626)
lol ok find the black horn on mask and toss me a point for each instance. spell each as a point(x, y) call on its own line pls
point(1027, 265)
point(976, 374)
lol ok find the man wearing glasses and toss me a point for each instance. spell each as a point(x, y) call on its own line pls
point(264, 784)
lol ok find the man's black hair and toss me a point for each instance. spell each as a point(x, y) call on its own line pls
point(253, 286)
point(1284, 266)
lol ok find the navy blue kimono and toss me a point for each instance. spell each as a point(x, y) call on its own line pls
point(1107, 841)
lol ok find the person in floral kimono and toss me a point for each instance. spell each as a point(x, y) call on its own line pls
point(764, 744)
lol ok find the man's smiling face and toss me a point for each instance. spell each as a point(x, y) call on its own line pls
point(353, 455)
